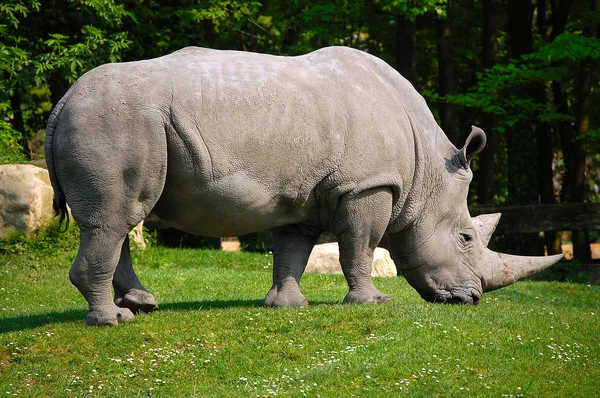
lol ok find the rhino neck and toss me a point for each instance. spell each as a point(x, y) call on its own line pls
point(424, 206)
point(432, 149)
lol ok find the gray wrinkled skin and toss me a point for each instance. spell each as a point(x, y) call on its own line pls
point(223, 143)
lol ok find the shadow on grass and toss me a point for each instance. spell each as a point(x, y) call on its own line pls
point(207, 305)
point(25, 322)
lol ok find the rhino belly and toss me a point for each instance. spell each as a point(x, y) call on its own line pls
point(231, 206)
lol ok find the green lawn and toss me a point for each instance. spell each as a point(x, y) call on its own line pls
point(212, 338)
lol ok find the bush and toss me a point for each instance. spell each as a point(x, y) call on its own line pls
point(44, 241)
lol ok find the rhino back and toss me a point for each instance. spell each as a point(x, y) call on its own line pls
point(257, 126)
point(261, 140)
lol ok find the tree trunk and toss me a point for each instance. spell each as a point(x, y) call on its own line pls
point(560, 13)
point(18, 123)
point(485, 174)
point(522, 151)
point(446, 110)
point(581, 241)
point(521, 143)
point(543, 134)
point(405, 47)
point(58, 87)
point(521, 147)
point(544, 140)
point(208, 28)
point(543, 129)
point(577, 145)
point(540, 20)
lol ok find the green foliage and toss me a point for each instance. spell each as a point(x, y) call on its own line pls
point(414, 8)
point(36, 57)
point(13, 60)
point(221, 11)
point(567, 47)
point(95, 48)
point(44, 241)
point(500, 91)
point(10, 147)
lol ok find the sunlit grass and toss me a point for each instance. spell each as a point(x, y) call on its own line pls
point(212, 337)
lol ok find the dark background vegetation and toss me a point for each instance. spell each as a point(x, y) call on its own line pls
point(524, 71)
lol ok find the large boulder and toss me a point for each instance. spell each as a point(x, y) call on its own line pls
point(137, 236)
point(325, 259)
point(25, 198)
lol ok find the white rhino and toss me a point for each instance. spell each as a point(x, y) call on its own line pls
point(223, 143)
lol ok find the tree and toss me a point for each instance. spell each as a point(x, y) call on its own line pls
point(578, 147)
point(46, 46)
point(522, 151)
point(446, 109)
point(485, 175)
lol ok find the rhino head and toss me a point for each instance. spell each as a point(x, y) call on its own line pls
point(443, 252)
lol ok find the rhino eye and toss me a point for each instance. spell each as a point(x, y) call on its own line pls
point(466, 237)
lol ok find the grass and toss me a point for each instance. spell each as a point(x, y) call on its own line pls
point(212, 337)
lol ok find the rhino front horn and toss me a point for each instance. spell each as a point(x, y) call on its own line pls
point(505, 269)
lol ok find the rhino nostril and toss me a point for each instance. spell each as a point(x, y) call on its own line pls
point(456, 299)
point(476, 298)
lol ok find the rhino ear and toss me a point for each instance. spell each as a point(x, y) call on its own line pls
point(473, 145)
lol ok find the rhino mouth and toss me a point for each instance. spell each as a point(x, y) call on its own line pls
point(459, 296)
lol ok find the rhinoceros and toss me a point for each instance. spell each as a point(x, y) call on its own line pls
point(224, 143)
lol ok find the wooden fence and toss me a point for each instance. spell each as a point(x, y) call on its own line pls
point(576, 217)
point(545, 217)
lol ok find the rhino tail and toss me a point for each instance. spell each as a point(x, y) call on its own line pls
point(59, 203)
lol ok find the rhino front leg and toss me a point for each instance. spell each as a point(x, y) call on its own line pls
point(92, 273)
point(293, 244)
point(129, 292)
point(362, 220)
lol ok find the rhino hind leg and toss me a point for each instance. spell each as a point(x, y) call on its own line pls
point(362, 220)
point(92, 273)
point(107, 201)
point(129, 292)
point(292, 247)
point(103, 260)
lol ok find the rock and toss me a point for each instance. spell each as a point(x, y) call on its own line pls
point(324, 259)
point(137, 235)
point(25, 198)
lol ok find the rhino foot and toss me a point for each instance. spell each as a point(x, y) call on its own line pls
point(366, 296)
point(137, 300)
point(108, 315)
point(285, 298)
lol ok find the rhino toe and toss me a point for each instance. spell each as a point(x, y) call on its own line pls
point(366, 296)
point(111, 316)
point(137, 300)
point(286, 298)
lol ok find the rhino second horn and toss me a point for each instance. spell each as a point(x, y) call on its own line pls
point(505, 269)
point(485, 225)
